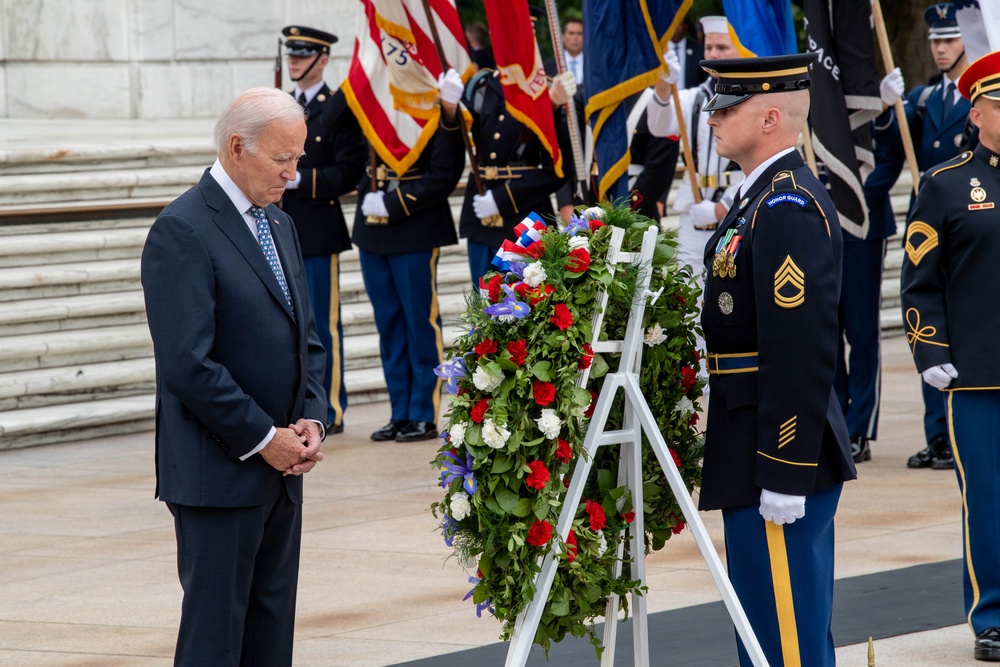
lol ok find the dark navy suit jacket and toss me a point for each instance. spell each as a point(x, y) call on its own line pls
point(232, 358)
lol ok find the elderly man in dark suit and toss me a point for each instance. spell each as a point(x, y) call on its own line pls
point(239, 395)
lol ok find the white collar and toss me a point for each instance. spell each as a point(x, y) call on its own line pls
point(752, 177)
point(310, 91)
point(240, 200)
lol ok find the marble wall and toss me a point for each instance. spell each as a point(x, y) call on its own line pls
point(150, 58)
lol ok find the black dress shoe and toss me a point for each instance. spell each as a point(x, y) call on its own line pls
point(944, 459)
point(390, 430)
point(926, 456)
point(988, 645)
point(414, 431)
point(334, 429)
point(860, 450)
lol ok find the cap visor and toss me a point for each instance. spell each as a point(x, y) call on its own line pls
point(723, 101)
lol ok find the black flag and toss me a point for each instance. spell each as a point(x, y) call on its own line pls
point(845, 98)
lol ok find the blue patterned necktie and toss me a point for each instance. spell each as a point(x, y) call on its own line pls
point(267, 246)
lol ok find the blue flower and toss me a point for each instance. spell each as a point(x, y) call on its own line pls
point(457, 470)
point(510, 307)
point(453, 371)
point(480, 606)
point(575, 225)
point(448, 530)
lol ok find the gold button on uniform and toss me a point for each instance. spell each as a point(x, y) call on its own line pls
point(501, 117)
point(493, 156)
point(496, 135)
point(319, 139)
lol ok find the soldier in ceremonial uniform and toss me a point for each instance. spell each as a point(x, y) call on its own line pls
point(776, 450)
point(949, 306)
point(937, 116)
point(517, 171)
point(399, 229)
point(331, 167)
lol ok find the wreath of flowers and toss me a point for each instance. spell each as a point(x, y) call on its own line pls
point(517, 419)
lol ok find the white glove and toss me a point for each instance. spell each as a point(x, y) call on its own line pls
point(703, 213)
point(675, 68)
point(374, 204)
point(941, 376)
point(451, 86)
point(563, 87)
point(892, 86)
point(485, 205)
point(781, 508)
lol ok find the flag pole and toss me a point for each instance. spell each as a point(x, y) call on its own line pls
point(685, 145)
point(571, 121)
point(904, 125)
point(807, 146)
point(493, 220)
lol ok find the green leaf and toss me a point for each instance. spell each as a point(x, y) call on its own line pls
point(507, 499)
point(523, 508)
point(581, 397)
point(598, 367)
point(541, 371)
point(502, 464)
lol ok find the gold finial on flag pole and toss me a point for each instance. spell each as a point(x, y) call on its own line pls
point(871, 653)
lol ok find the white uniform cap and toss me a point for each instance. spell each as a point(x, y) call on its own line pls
point(715, 24)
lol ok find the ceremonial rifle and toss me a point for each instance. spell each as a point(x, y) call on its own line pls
point(277, 67)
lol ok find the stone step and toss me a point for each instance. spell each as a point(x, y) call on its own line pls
point(46, 249)
point(76, 421)
point(86, 186)
point(72, 278)
point(65, 348)
point(49, 386)
point(34, 316)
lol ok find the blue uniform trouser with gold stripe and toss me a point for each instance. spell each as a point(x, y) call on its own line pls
point(480, 261)
point(323, 276)
point(403, 292)
point(974, 425)
point(783, 576)
point(858, 378)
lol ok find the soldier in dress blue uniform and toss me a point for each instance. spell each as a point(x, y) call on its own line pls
point(949, 302)
point(777, 450)
point(331, 167)
point(937, 117)
point(399, 229)
point(516, 169)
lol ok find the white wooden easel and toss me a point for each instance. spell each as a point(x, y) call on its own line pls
point(638, 420)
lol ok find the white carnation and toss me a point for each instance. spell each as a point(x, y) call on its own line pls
point(594, 213)
point(484, 381)
point(534, 274)
point(495, 436)
point(602, 544)
point(460, 506)
point(457, 433)
point(579, 241)
point(684, 406)
point(549, 424)
point(654, 335)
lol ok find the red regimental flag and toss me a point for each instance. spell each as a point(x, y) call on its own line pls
point(392, 82)
point(519, 62)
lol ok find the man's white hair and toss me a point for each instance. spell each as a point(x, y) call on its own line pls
point(250, 112)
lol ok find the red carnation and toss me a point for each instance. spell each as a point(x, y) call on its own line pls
point(522, 289)
point(492, 286)
point(694, 419)
point(688, 377)
point(479, 410)
point(488, 346)
point(597, 518)
point(587, 357)
point(595, 224)
point(563, 319)
point(589, 412)
point(566, 482)
point(540, 533)
point(677, 458)
point(694, 351)
point(676, 530)
point(518, 351)
point(544, 392)
point(629, 517)
point(539, 476)
point(563, 451)
point(535, 250)
point(571, 546)
point(578, 260)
